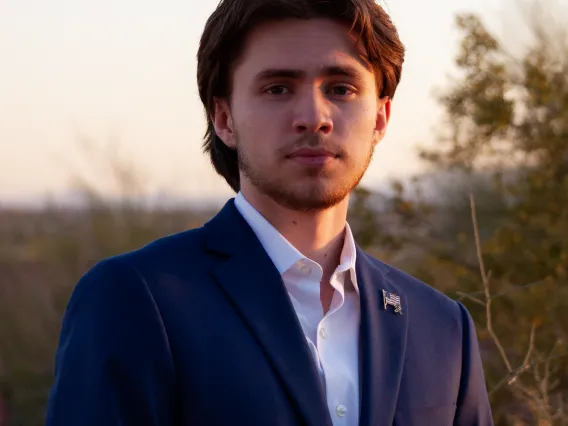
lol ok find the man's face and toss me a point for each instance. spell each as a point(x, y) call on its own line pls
point(304, 113)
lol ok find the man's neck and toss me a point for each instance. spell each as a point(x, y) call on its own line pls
point(317, 235)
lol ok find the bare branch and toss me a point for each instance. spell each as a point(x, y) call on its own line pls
point(531, 345)
point(485, 278)
point(544, 385)
point(526, 363)
point(499, 385)
point(478, 244)
point(463, 295)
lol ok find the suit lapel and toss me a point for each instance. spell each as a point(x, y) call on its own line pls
point(255, 287)
point(382, 343)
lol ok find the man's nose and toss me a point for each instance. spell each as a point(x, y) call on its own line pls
point(312, 113)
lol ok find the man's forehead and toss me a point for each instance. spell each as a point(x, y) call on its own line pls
point(287, 48)
point(309, 32)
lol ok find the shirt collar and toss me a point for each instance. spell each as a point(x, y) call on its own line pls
point(282, 253)
point(348, 256)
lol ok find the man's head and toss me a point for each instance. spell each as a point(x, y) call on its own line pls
point(297, 95)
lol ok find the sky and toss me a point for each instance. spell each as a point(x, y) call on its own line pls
point(84, 81)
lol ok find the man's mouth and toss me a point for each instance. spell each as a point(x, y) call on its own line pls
point(312, 156)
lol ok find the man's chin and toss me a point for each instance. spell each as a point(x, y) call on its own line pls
point(308, 199)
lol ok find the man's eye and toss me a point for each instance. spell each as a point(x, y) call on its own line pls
point(341, 90)
point(277, 90)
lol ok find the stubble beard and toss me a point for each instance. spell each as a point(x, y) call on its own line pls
point(311, 197)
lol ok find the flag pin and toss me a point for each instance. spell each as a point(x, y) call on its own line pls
point(393, 300)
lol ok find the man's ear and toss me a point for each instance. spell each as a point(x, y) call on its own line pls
point(223, 122)
point(382, 120)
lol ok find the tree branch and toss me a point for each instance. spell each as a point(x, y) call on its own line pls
point(485, 278)
point(463, 295)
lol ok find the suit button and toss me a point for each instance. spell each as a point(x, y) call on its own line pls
point(341, 410)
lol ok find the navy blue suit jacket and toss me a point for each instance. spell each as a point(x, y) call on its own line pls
point(197, 329)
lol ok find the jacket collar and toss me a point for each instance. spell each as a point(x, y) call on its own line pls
point(382, 342)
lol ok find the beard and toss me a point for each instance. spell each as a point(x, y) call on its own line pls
point(314, 190)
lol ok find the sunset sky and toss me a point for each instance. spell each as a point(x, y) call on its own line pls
point(121, 73)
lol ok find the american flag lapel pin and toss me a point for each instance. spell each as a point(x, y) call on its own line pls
point(393, 300)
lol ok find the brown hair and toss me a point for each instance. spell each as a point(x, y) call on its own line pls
point(225, 32)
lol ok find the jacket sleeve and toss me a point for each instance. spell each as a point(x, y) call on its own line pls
point(113, 365)
point(473, 407)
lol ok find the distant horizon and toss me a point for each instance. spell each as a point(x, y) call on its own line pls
point(432, 184)
point(74, 198)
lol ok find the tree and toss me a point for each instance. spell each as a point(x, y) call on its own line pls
point(506, 132)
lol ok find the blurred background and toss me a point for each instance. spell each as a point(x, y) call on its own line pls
point(100, 153)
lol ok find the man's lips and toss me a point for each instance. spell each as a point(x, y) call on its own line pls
point(313, 157)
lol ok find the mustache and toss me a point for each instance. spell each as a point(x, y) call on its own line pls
point(314, 141)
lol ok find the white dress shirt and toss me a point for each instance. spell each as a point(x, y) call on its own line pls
point(334, 338)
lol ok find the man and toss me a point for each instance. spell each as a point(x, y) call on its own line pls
point(270, 314)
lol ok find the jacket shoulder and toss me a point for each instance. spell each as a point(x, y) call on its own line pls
point(171, 249)
point(132, 271)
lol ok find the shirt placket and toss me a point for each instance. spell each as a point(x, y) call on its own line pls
point(327, 355)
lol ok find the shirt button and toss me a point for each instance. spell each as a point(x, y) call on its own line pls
point(341, 410)
point(322, 333)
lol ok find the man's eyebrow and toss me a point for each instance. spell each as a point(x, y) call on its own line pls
point(273, 73)
point(342, 70)
point(296, 74)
